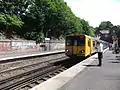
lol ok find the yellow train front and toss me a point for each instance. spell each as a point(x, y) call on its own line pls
point(79, 45)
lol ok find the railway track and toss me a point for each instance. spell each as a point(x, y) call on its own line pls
point(25, 68)
point(25, 64)
point(24, 80)
point(24, 77)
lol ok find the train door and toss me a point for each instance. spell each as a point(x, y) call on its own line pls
point(91, 46)
point(81, 46)
point(88, 46)
point(75, 45)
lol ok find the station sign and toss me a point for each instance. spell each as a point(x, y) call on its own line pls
point(115, 38)
point(47, 39)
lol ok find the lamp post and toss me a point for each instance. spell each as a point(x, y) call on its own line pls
point(50, 39)
point(47, 40)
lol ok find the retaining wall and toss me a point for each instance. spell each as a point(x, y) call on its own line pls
point(22, 45)
point(52, 45)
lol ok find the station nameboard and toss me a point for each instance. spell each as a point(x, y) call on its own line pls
point(115, 38)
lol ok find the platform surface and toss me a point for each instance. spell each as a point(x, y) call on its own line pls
point(22, 54)
point(106, 77)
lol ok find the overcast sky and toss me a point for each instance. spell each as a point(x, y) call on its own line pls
point(95, 11)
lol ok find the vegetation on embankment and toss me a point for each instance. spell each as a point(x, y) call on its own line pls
point(37, 19)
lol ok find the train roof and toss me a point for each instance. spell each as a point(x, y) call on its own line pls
point(80, 35)
point(88, 37)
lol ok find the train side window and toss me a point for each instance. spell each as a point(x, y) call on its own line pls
point(93, 43)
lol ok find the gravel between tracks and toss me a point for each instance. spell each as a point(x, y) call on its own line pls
point(16, 64)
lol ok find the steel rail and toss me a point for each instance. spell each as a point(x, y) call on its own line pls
point(26, 66)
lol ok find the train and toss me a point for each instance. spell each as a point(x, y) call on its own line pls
point(80, 45)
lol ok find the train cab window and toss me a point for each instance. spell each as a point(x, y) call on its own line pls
point(68, 41)
point(81, 41)
point(75, 40)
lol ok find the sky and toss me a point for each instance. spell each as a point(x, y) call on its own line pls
point(96, 11)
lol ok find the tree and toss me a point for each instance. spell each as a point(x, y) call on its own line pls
point(51, 18)
point(105, 25)
point(117, 30)
point(92, 32)
point(85, 27)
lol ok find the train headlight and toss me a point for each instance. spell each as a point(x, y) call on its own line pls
point(82, 51)
point(67, 50)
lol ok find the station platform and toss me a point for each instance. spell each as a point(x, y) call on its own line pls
point(86, 75)
point(27, 53)
point(93, 77)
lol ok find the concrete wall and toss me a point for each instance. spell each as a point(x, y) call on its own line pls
point(5, 45)
point(15, 45)
point(23, 45)
point(52, 45)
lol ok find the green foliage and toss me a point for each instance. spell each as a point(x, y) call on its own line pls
point(85, 27)
point(10, 23)
point(42, 18)
point(14, 7)
point(34, 22)
point(92, 32)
